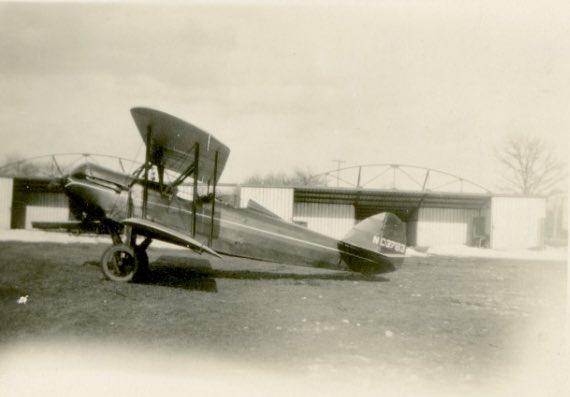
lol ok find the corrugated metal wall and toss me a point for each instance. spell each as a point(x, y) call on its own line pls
point(412, 233)
point(333, 220)
point(437, 226)
point(517, 222)
point(46, 207)
point(45, 214)
point(6, 188)
point(275, 199)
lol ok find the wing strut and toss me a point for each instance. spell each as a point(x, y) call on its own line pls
point(195, 190)
point(147, 165)
point(212, 217)
point(192, 169)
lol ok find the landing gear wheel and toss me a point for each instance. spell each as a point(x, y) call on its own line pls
point(120, 263)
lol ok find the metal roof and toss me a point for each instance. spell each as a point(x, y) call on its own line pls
point(390, 199)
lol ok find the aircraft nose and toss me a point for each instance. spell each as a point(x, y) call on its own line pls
point(76, 190)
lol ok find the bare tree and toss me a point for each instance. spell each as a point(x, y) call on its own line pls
point(15, 165)
point(299, 177)
point(531, 167)
point(304, 177)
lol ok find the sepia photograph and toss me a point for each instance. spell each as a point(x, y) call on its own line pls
point(284, 198)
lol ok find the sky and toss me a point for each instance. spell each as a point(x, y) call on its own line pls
point(437, 84)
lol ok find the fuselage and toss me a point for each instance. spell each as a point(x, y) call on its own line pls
point(104, 194)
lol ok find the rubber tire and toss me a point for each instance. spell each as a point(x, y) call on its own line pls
point(107, 256)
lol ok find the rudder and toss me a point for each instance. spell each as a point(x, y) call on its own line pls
point(375, 245)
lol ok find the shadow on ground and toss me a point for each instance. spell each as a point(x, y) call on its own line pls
point(180, 277)
point(197, 274)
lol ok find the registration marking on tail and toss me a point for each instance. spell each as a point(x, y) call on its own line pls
point(399, 247)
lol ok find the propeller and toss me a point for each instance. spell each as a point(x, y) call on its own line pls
point(57, 184)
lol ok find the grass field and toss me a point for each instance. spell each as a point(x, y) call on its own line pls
point(459, 324)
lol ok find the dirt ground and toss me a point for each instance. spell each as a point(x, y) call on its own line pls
point(476, 325)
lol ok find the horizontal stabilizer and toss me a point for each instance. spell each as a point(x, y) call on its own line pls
point(173, 144)
point(163, 233)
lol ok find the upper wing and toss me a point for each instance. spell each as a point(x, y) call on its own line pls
point(172, 143)
point(163, 233)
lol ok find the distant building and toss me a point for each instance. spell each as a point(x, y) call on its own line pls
point(432, 218)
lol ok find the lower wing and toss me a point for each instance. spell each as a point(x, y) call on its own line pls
point(71, 226)
point(163, 233)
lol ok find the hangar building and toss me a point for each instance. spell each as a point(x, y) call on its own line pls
point(469, 215)
point(432, 219)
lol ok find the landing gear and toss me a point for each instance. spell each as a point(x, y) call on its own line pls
point(125, 262)
point(119, 263)
point(142, 260)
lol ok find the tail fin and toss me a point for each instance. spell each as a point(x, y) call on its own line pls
point(375, 245)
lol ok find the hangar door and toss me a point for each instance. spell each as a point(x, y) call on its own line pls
point(430, 218)
point(33, 200)
point(431, 226)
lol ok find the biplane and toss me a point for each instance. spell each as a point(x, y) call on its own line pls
point(137, 209)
